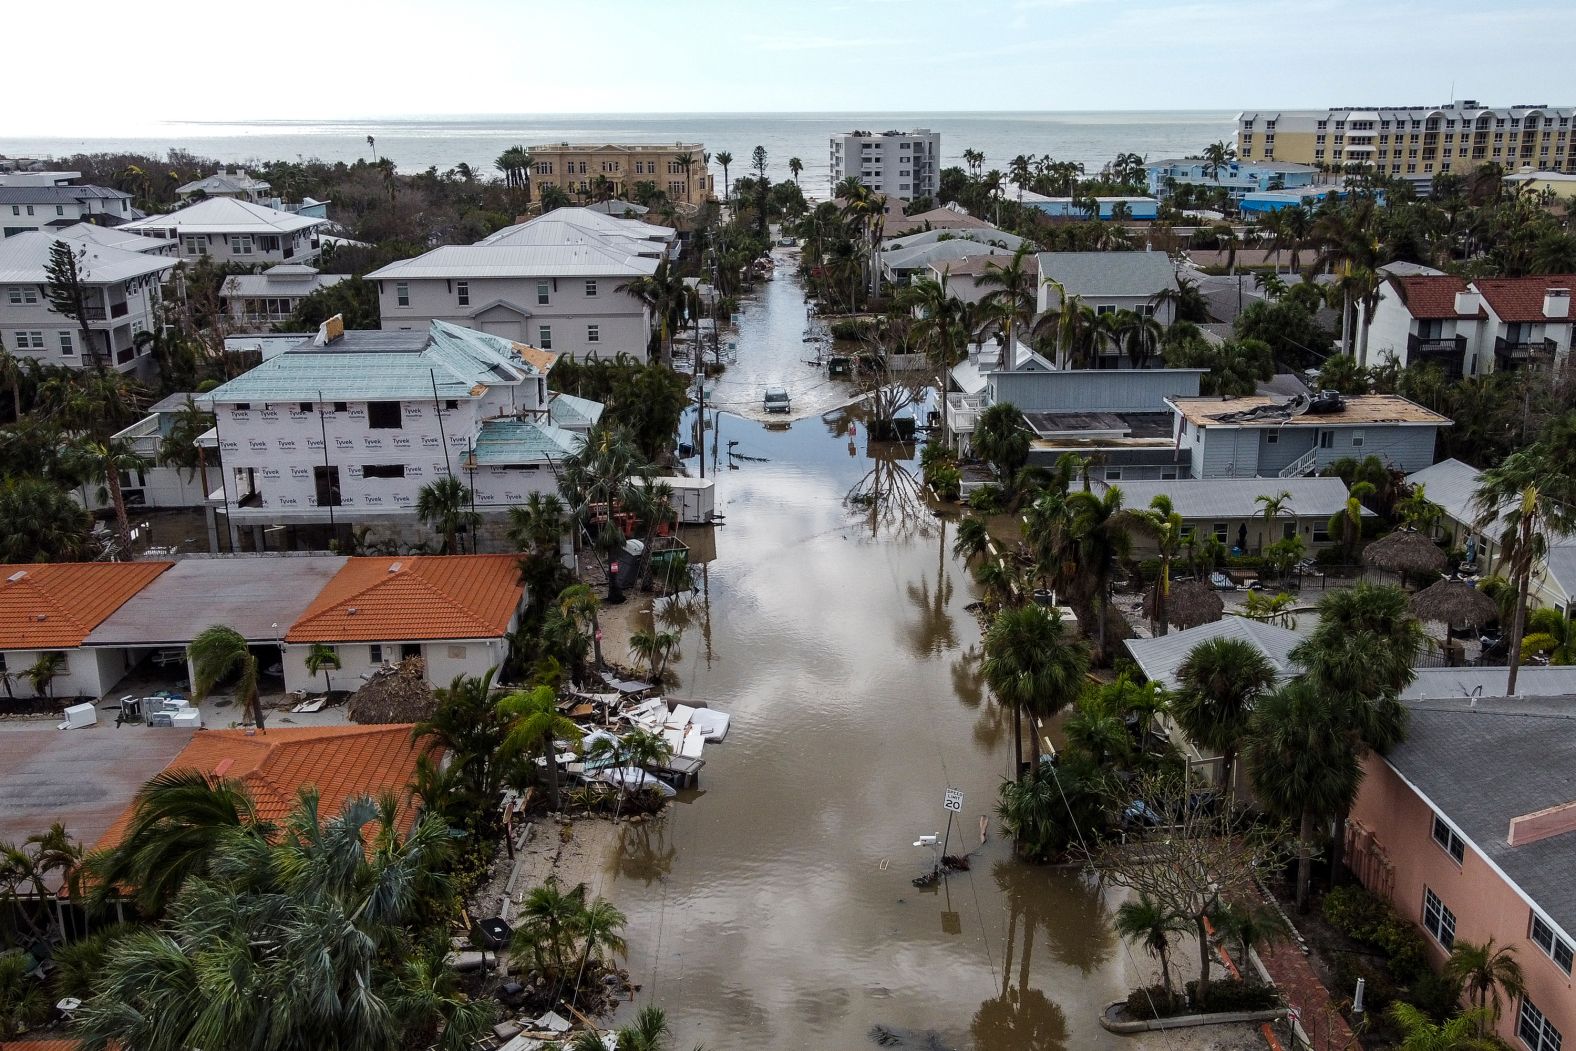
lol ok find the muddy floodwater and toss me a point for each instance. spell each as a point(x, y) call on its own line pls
point(774, 907)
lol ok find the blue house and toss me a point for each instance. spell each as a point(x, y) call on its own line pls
point(1238, 177)
point(1275, 200)
point(1073, 207)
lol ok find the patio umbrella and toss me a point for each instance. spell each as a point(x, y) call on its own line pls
point(1454, 602)
point(1406, 552)
point(396, 695)
point(1190, 603)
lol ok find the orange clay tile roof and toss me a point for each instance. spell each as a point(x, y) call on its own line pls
point(42, 1045)
point(341, 762)
point(1431, 295)
point(1521, 298)
point(55, 605)
point(414, 597)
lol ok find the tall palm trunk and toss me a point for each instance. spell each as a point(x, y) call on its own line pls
point(1346, 324)
point(552, 772)
point(1304, 860)
point(118, 499)
point(1518, 627)
point(1017, 743)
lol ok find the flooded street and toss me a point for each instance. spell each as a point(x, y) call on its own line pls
point(774, 908)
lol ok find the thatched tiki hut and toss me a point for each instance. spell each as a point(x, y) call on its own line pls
point(1189, 604)
point(1408, 553)
point(399, 694)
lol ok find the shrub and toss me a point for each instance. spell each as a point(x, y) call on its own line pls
point(945, 479)
point(1151, 1002)
point(1437, 995)
point(1233, 994)
point(1369, 920)
point(1381, 989)
point(1354, 912)
point(988, 499)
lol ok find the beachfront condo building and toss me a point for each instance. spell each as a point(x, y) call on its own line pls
point(1416, 141)
point(900, 164)
point(678, 170)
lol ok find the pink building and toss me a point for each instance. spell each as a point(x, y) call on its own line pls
point(1469, 828)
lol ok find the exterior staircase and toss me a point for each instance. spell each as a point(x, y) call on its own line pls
point(1302, 466)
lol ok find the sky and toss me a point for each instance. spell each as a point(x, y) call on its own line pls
point(128, 67)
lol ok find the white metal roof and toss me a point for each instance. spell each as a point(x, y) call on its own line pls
point(478, 261)
point(112, 237)
point(589, 220)
point(24, 258)
point(225, 215)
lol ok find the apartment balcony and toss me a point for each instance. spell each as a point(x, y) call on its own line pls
point(963, 411)
point(1448, 352)
point(1532, 352)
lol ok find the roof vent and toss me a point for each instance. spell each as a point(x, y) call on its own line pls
point(20, 574)
point(352, 611)
point(41, 617)
point(395, 567)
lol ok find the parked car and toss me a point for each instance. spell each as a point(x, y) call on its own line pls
point(776, 400)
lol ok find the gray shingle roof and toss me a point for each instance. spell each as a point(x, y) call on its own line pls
point(1100, 274)
point(1159, 658)
point(58, 194)
point(1201, 498)
point(1482, 763)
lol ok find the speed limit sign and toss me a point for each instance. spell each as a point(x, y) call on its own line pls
point(953, 800)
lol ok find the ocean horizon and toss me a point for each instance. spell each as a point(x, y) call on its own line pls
point(418, 142)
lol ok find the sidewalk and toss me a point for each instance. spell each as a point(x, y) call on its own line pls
point(1321, 1020)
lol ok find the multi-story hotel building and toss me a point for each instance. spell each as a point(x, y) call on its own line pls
point(678, 170)
point(900, 164)
point(1415, 141)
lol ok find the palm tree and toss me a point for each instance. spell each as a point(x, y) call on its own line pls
point(320, 658)
point(535, 726)
point(1551, 634)
point(216, 654)
point(1151, 925)
point(1251, 926)
point(42, 673)
point(40, 522)
point(972, 539)
point(11, 374)
point(936, 328)
point(579, 604)
point(670, 298)
point(599, 927)
point(649, 1032)
point(1528, 498)
point(1216, 156)
point(179, 819)
point(550, 916)
point(1032, 667)
point(1218, 684)
point(444, 505)
point(795, 166)
point(1486, 970)
point(1422, 1033)
point(638, 749)
point(1304, 767)
point(1273, 508)
point(653, 647)
point(180, 447)
point(1165, 526)
point(1013, 291)
point(724, 158)
point(114, 456)
point(1347, 524)
point(1098, 527)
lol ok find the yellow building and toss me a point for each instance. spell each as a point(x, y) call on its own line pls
point(1555, 184)
point(1415, 141)
point(679, 170)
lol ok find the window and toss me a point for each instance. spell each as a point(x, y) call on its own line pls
point(544, 337)
point(1448, 841)
point(541, 293)
point(384, 415)
point(451, 404)
point(29, 340)
point(1357, 439)
point(66, 344)
point(1166, 476)
point(325, 482)
point(1535, 1030)
point(340, 406)
point(457, 653)
point(1104, 309)
point(22, 296)
point(375, 653)
point(593, 333)
point(1326, 439)
point(1272, 437)
point(1438, 920)
point(242, 406)
point(1220, 531)
point(1113, 474)
point(591, 289)
point(305, 406)
point(463, 291)
point(402, 293)
point(241, 244)
point(1558, 948)
point(383, 470)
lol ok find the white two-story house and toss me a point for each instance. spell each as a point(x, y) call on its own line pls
point(556, 282)
point(347, 427)
point(123, 295)
point(24, 208)
point(228, 230)
point(1472, 328)
point(257, 302)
